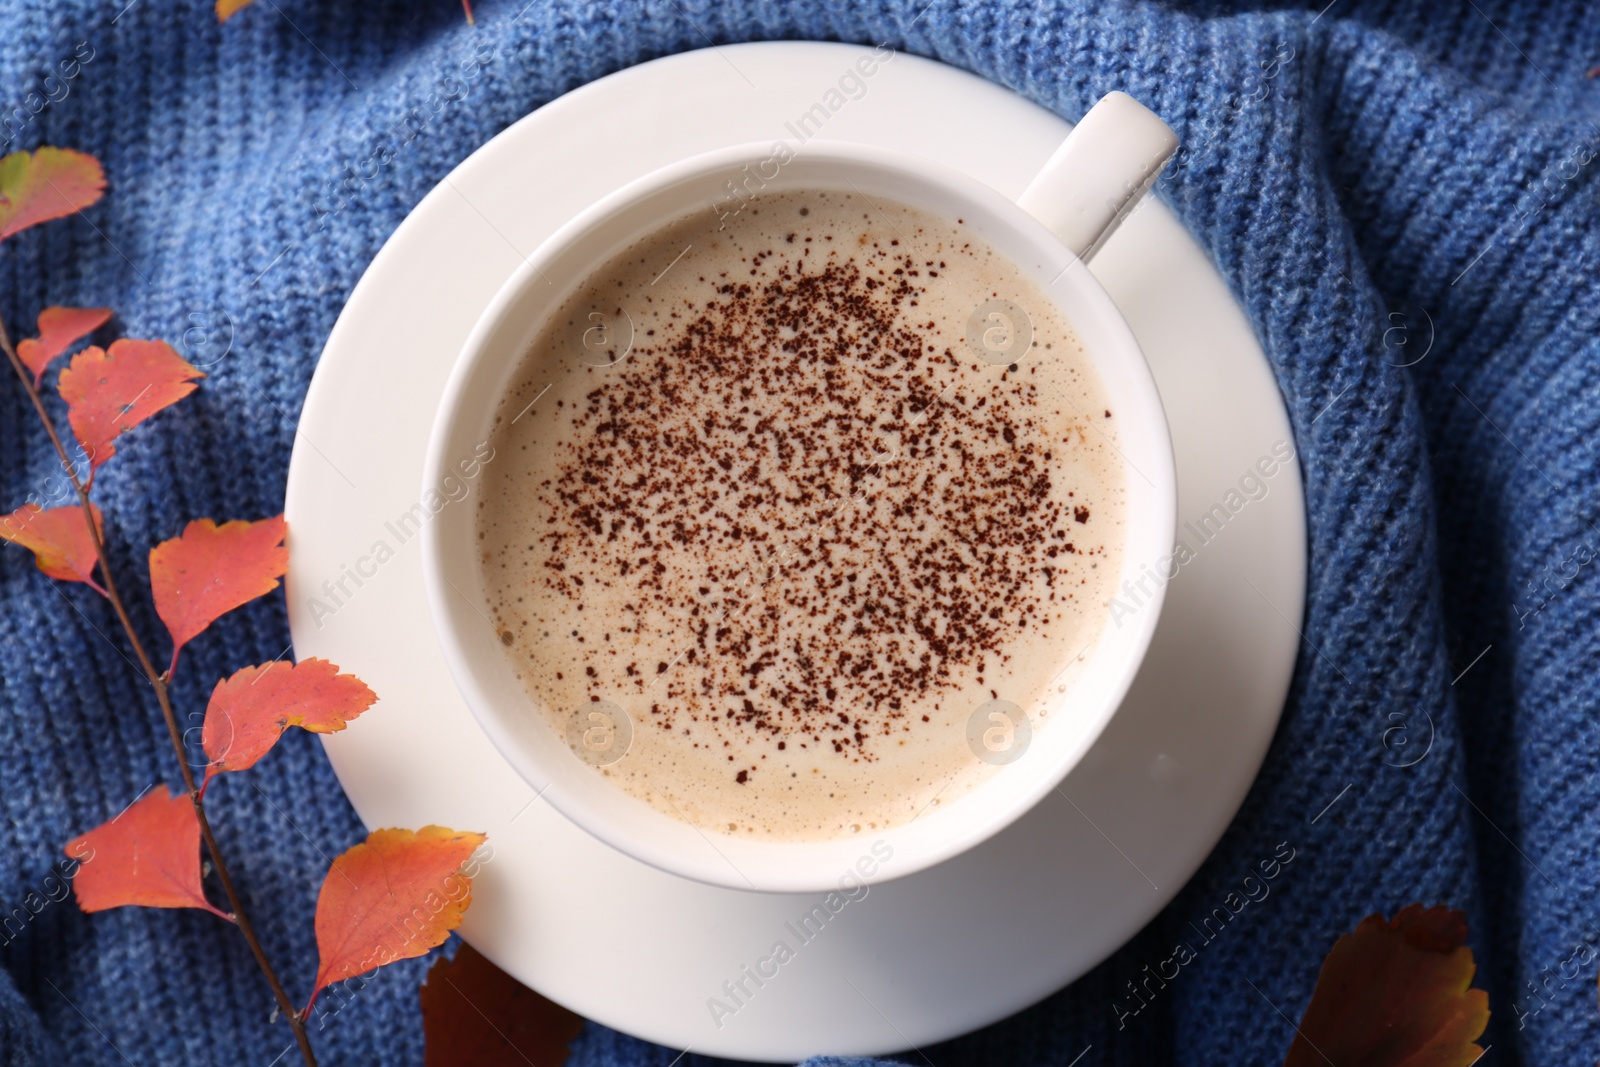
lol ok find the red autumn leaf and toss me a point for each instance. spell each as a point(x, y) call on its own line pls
point(110, 392)
point(249, 711)
point(476, 1015)
point(1396, 994)
point(59, 329)
point(209, 570)
point(51, 183)
point(395, 896)
point(59, 539)
point(149, 855)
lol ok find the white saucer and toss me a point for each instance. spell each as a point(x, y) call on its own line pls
point(917, 960)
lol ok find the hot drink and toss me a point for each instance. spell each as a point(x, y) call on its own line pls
point(787, 500)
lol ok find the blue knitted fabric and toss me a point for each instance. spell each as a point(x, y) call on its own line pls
point(1384, 171)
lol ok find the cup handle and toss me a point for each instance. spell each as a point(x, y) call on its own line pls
point(1101, 171)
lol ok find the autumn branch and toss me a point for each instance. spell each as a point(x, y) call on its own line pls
point(159, 682)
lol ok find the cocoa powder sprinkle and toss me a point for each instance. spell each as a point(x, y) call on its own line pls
point(741, 479)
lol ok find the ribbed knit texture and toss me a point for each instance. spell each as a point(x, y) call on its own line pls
point(1413, 162)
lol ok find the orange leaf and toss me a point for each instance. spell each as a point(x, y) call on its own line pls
point(59, 539)
point(148, 855)
point(209, 570)
point(51, 183)
point(392, 898)
point(109, 393)
point(226, 9)
point(59, 329)
point(250, 710)
point(464, 993)
point(1396, 994)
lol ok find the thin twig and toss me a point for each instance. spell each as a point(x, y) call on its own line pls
point(159, 682)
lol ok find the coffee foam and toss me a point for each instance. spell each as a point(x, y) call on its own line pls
point(773, 495)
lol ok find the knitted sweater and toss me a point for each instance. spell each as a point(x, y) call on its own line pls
point(1356, 170)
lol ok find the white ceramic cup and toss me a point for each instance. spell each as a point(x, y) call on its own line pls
point(1083, 192)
